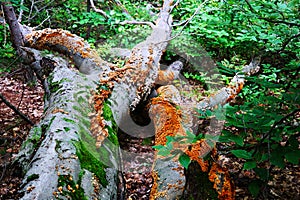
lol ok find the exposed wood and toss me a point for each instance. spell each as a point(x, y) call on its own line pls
point(226, 94)
point(167, 115)
point(84, 57)
point(138, 76)
point(118, 91)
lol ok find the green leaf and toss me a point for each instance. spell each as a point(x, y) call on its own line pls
point(164, 152)
point(69, 120)
point(262, 173)
point(158, 147)
point(169, 145)
point(277, 160)
point(293, 157)
point(229, 137)
point(241, 154)
point(184, 160)
point(249, 165)
point(254, 187)
point(190, 134)
point(170, 139)
point(238, 140)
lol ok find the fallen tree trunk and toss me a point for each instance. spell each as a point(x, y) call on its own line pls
point(174, 135)
point(74, 152)
point(54, 157)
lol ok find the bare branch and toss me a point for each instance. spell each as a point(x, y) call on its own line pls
point(85, 58)
point(36, 27)
point(285, 43)
point(175, 4)
point(270, 20)
point(188, 21)
point(180, 23)
point(274, 126)
point(18, 112)
point(3, 22)
point(226, 94)
point(280, 22)
point(11, 19)
point(98, 10)
point(21, 11)
point(137, 22)
point(37, 10)
point(30, 12)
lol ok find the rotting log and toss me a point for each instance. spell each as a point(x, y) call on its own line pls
point(63, 151)
point(171, 120)
point(73, 151)
point(55, 158)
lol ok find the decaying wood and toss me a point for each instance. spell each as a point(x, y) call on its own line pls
point(126, 87)
point(226, 94)
point(50, 156)
point(122, 89)
point(168, 176)
point(168, 119)
point(85, 58)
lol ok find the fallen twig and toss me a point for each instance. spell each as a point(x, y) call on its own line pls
point(16, 110)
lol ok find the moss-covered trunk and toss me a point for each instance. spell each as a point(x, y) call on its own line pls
point(59, 157)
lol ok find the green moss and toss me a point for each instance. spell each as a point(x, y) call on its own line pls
point(82, 110)
point(36, 137)
point(108, 116)
point(112, 136)
point(69, 120)
point(51, 121)
point(78, 93)
point(107, 113)
point(90, 161)
point(82, 100)
point(87, 86)
point(33, 138)
point(91, 158)
point(86, 122)
point(71, 189)
point(57, 146)
point(38, 133)
point(66, 129)
point(32, 177)
point(55, 86)
point(81, 173)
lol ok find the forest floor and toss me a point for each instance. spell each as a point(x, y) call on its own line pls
point(284, 184)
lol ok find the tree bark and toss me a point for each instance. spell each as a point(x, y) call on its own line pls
point(60, 159)
point(56, 157)
point(11, 19)
point(74, 152)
